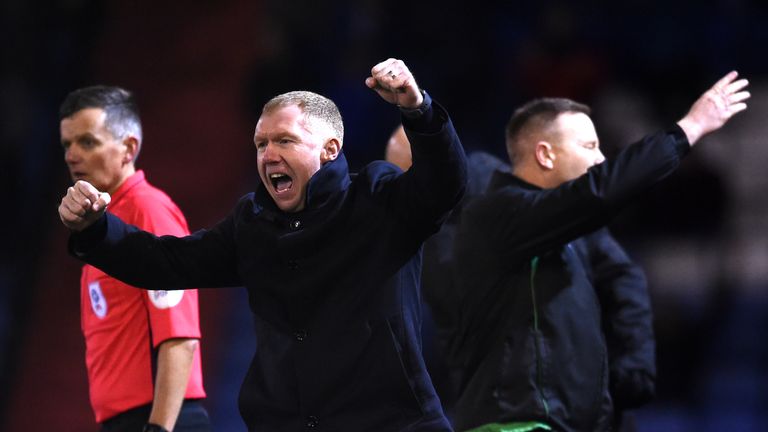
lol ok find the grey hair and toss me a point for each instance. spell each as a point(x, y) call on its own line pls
point(122, 113)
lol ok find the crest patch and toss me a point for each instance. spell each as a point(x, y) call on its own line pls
point(163, 299)
point(98, 302)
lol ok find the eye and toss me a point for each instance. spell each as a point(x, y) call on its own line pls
point(260, 145)
point(285, 141)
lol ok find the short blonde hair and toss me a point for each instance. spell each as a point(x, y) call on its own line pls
point(313, 105)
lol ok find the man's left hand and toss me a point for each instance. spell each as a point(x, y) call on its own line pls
point(392, 80)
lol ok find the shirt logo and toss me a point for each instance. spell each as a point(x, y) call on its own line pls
point(98, 302)
point(163, 299)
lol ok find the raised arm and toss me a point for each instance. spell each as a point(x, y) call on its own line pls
point(436, 181)
point(542, 219)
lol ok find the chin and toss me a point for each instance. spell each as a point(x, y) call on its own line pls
point(288, 207)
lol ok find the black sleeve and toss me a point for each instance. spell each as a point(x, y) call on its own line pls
point(437, 179)
point(627, 321)
point(204, 259)
point(535, 221)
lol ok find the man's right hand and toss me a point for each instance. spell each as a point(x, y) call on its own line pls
point(82, 206)
point(715, 107)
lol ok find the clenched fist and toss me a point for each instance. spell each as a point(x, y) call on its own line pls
point(82, 206)
point(392, 80)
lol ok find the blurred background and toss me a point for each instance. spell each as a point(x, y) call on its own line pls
point(201, 71)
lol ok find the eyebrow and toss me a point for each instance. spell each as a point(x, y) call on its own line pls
point(79, 137)
point(276, 136)
point(596, 142)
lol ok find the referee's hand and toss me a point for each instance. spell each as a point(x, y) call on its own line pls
point(82, 205)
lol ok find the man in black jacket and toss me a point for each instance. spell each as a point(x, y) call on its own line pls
point(331, 263)
point(531, 261)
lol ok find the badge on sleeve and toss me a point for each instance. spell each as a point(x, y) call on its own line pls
point(98, 302)
point(163, 299)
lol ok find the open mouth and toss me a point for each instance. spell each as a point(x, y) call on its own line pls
point(281, 182)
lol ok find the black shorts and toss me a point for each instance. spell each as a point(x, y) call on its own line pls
point(192, 418)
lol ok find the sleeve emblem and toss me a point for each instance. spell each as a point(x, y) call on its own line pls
point(163, 299)
point(98, 302)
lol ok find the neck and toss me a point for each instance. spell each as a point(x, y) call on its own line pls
point(128, 171)
point(532, 175)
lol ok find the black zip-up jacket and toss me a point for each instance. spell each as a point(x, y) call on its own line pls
point(334, 288)
point(627, 320)
point(529, 337)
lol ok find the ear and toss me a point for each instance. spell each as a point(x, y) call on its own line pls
point(131, 144)
point(330, 150)
point(545, 157)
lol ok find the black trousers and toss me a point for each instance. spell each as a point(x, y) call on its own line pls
point(192, 418)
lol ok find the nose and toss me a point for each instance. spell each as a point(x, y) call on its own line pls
point(270, 153)
point(600, 157)
point(71, 155)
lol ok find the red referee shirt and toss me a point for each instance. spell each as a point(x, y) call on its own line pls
point(122, 324)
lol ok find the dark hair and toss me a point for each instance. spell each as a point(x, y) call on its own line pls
point(537, 114)
point(122, 113)
point(313, 105)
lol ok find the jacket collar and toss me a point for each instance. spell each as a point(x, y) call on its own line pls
point(502, 179)
point(331, 178)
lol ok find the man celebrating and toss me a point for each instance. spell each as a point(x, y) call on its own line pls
point(331, 263)
point(130, 334)
point(540, 286)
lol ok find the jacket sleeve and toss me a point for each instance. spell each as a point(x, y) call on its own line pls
point(538, 220)
point(436, 181)
point(627, 321)
point(204, 259)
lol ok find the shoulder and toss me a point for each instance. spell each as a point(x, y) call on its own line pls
point(247, 201)
point(376, 175)
point(152, 210)
point(495, 209)
point(504, 195)
point(147, 194)
point(246, 207)
point(145, 200)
